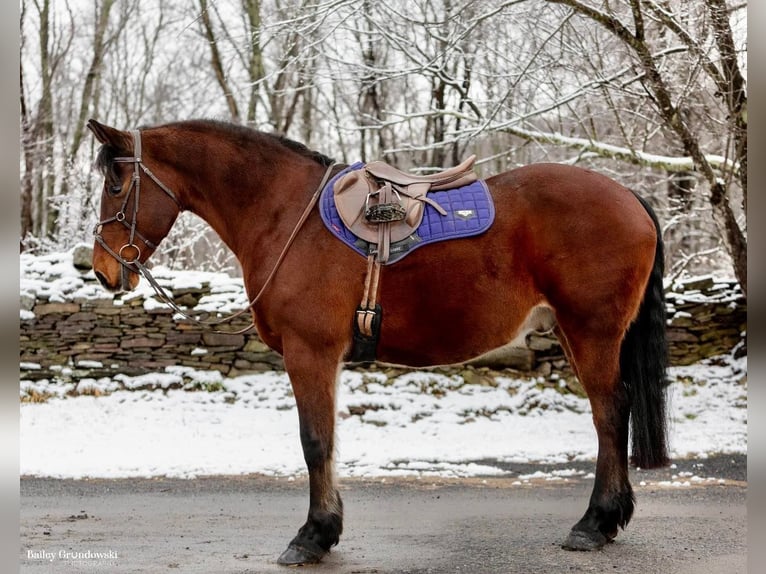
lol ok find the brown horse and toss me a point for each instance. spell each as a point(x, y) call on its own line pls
point(564, 238)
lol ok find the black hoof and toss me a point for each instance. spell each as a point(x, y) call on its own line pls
point(584, 541)
point(299, 555)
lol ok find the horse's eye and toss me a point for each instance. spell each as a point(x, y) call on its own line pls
point(115, 189)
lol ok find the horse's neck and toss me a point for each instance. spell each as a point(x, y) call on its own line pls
point(256, 214)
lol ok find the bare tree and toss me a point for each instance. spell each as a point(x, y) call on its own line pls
point(722, 71)
point(54, 41)
point(255, 71)
point(27, 143)
point(88, 96)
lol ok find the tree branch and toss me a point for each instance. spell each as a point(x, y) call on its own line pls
point(636, 157)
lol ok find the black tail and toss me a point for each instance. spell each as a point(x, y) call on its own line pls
point(643, 364)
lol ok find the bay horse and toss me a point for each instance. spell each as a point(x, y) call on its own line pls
point(564, 239)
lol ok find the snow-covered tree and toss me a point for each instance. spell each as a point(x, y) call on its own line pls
point(652, 92)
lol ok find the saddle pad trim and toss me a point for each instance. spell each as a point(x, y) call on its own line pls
point(470, 212)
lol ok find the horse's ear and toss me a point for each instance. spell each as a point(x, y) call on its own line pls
point(120, 140)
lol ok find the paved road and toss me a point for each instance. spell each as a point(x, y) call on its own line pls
point(241, 524)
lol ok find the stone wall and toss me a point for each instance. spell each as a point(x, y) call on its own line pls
point(706, 318)
point(92, 338)
point(96, 338)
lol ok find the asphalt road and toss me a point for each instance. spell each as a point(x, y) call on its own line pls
point(240, 525)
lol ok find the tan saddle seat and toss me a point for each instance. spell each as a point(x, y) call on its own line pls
point(450, 178)
point(382, 205)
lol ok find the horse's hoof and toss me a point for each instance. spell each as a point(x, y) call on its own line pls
point(586, 541)
point(298, 555)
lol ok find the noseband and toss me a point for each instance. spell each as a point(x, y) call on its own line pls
point(123, 255)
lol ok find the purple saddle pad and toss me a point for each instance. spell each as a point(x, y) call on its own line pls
point(470, 212)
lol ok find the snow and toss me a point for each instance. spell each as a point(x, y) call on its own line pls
point(53, 278)
point(186, 423)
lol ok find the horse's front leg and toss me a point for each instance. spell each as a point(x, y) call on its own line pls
point(313, 375)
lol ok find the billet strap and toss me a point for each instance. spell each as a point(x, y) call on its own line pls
point(384, 229)
point(365, 315)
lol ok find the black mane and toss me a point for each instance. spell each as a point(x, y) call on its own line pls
point(104, 161)
point(245, 133)
point(303, 150)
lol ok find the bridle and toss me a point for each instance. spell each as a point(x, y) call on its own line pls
point(135, 264)
point(134, 191)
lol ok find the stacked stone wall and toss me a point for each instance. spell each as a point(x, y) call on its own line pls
point(93, 338)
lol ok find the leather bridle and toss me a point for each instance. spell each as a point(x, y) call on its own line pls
point(123, 255)
point(135, 264)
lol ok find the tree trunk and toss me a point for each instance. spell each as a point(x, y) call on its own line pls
point(217, 63)
point(87, 99)
point(46, 221)
point(91, 77)
point(27, 177)
point(27, 187)
point(252, 9)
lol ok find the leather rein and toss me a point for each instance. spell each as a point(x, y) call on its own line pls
point(128, 263)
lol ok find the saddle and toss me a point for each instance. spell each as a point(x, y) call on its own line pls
point(382, 205)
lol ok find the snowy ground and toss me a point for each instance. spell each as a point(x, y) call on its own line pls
point(188, 423)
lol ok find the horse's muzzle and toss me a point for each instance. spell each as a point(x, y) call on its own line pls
point(121, 284)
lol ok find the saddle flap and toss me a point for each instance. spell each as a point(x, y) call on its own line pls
point(351, 193)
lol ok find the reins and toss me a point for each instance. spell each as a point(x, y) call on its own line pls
point(135, 264)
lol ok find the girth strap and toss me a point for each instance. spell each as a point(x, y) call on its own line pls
point(368, 317)
point(366, 311)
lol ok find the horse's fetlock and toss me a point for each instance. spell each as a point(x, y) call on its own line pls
point(610, 512)
point(623, 505)
point(324, 528)
point(336, 506)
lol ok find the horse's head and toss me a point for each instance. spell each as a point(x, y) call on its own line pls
point(138, 208)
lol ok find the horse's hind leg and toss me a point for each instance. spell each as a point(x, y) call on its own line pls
point(313, 377)
point(596, 359)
